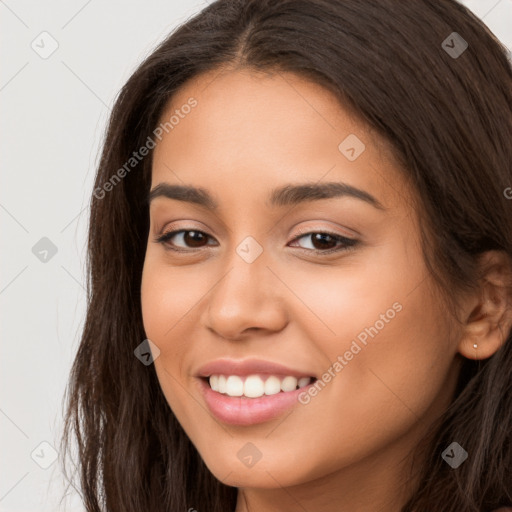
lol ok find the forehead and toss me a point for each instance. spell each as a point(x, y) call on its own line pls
point(260, 130)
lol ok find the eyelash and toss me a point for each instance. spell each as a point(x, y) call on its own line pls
point(348, 243)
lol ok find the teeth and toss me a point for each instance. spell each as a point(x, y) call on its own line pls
point(289, 384)
point(254, 386)
point(272, 386)
point(221, 384)
point(303, 381)
point(234, 386)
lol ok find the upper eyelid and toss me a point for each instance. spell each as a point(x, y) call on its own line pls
point(300, 230)
point(309, 231)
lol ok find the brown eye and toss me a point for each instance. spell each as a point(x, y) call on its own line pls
point(321, 242)
point(194, 238)
point(184, 239)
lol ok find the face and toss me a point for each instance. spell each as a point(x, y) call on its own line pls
point(256, 270)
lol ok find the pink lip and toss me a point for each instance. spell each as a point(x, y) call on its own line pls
point(248, 367)
point(244, 411)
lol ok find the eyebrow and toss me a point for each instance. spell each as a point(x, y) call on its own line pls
point(286, 195)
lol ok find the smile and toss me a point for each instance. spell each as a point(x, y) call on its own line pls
point(255, 407)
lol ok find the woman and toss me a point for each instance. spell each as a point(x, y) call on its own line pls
point(300, 257)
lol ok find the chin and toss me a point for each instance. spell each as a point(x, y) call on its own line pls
point(273, 474)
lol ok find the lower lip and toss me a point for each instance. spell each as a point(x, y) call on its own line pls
point(243, 411)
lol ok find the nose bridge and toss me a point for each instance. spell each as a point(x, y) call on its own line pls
point(246, 266)
point(245, 297)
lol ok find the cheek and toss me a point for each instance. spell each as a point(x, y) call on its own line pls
point(387, 345)
point(389, 387)
point(162, 308)
point(391, 356)
point(168, 295)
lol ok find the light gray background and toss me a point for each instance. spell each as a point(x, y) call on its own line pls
point(53, 113)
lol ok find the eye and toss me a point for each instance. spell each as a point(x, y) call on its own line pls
point(322, 242)
point(184, 239)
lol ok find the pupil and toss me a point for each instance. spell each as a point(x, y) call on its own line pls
point(193, 241)
point(323, 238)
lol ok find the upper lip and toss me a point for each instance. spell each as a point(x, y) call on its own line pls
point(247, 367)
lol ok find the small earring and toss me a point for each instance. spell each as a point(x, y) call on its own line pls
point(475, 345)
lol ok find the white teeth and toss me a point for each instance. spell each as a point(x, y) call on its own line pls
point(214, 382)
point(234, 386)
point(221, 383)
point(289, 384)
point(303, 381)
point(254, 386)
point(272, 385)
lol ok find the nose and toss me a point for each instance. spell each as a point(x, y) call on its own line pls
point(247, 298)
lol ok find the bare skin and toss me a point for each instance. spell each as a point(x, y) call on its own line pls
point(348, 449)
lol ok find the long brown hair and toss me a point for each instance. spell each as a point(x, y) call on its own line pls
point(448, 118)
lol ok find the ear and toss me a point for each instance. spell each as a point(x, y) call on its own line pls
point(488, 312)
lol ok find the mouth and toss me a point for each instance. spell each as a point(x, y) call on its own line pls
point(252, 399)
